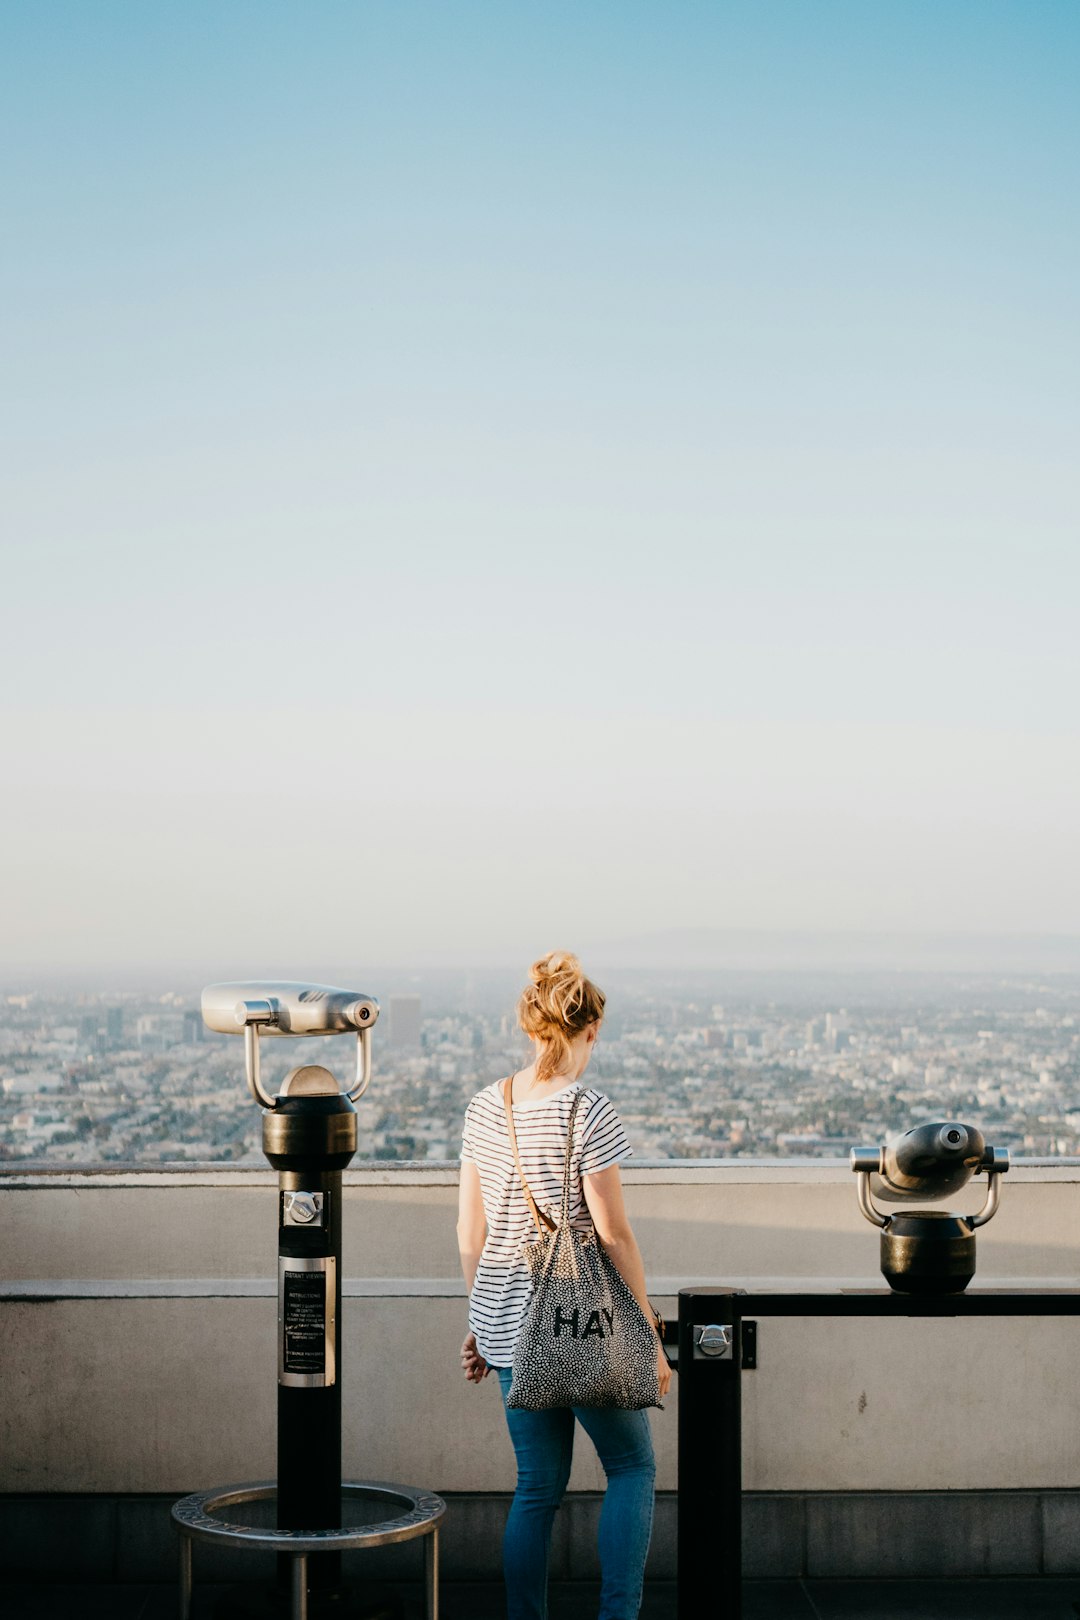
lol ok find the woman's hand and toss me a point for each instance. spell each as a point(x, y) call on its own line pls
point(663, 1371)
point(473, 1364)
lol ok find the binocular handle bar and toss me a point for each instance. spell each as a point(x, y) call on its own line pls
point(995, 1169)
point(363, 1064)
point(993, 1194)
point(255, 1014)
point(866, 1202)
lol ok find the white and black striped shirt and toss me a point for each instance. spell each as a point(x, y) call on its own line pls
point(500, 1293)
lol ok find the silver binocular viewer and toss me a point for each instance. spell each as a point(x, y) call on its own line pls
point(273, 1008)
point(928, 1251)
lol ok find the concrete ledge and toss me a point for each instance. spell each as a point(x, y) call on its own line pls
point(664, 1291)
point(23, 1173)
point(950, 1535)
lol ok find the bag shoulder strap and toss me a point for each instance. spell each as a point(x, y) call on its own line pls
point(568, 1161)
point(544, 1223)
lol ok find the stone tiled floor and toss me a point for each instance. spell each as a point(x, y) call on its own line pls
point(1046, 1599)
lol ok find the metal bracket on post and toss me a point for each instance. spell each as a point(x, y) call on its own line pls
point(253, 1015)
point(363, 1059)
point(866, 1202)
point(993, 1194)
point(867, 1162)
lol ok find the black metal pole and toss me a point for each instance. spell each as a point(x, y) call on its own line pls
point(309, 1137)
point(309, 1419)
point(710, 1454)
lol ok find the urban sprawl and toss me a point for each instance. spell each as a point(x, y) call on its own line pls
point(771, 1069)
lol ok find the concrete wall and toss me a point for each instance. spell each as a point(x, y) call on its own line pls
point(137, 1346)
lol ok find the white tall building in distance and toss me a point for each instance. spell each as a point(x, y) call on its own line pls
point(404, 1014)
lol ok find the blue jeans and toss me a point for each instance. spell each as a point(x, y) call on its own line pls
point(544, 1445)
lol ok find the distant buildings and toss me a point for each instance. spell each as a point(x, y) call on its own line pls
point(83, 1081)
point(403, 1013)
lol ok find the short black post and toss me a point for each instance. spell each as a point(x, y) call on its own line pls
point(309, 1136)
point(710, 1454)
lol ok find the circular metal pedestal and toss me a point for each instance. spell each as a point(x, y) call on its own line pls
point(199, 1518)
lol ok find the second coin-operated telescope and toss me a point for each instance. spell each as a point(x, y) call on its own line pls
point(928, 1251)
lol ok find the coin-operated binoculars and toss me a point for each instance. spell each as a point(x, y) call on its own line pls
point(309, 1136)
point(928, 1251)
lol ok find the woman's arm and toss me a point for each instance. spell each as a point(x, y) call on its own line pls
point(471, 1235)
point(604, 1196)
point(472, 1222)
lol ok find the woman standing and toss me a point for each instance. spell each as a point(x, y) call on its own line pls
point(560, 1010)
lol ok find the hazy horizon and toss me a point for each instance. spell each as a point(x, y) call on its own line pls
point(855, 960)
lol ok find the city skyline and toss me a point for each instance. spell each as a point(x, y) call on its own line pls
point(780, 1067)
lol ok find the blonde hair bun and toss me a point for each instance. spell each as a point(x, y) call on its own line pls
point(555, 965)
point(558, 1003)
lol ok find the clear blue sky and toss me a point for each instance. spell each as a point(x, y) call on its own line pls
point(536, 473)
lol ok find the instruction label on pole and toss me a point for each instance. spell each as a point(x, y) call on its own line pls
point(304, 1312)
point(306, 1321)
